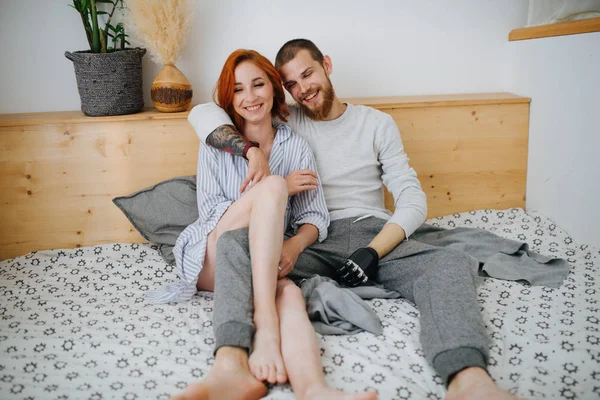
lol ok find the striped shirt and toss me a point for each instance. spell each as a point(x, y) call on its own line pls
point(219, 178)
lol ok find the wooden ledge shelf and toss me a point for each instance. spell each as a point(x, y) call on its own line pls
point(444, 100)
point(77, 117)
point(558, 29)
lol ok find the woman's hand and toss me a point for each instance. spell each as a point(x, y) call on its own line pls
point(258, 168)
point(289, 254)
point(301, 180)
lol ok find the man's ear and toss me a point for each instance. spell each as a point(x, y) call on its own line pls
point(327, 65)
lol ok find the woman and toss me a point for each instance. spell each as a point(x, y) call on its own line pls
point(250, 91)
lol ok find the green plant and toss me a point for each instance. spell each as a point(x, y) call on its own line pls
point(97, 37)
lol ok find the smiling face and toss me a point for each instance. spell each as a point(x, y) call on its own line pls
point(308, 83)
point(253, 93)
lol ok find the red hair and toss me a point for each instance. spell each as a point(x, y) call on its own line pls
point(224, 91)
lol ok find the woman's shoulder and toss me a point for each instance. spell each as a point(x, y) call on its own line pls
point(291, 137)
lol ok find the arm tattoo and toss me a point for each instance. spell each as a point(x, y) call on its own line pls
point(227, 138)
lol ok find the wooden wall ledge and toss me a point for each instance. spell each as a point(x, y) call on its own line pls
point(443, 100)
point(77, 117)
point(558, 29)
point(62, 117)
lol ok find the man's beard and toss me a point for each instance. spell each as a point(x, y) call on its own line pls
point(322, 111)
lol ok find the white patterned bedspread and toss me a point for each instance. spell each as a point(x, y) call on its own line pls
point(75, 325)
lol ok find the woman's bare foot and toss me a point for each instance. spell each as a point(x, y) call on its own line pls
point(326, 393)
point(474, 383)
point(229, 378)
point(266, 362)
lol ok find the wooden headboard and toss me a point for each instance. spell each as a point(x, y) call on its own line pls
point(59, 171)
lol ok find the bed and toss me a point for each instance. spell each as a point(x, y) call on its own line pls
point(75, 324)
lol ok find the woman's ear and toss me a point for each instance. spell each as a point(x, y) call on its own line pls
point(327, 65)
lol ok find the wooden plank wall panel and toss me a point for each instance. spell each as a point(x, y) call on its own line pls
point(467, 157)
point(57, 181)
point(60, 171)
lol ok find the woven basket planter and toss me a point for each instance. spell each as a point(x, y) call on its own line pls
point(109, 83)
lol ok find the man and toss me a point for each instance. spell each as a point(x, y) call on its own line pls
point(358, 150)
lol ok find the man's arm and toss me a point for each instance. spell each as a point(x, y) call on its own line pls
point(387, 239)
point(363, 263)
point(207, 118)
point(227, 138)
point(401, 181)
point(410, 201)
point(214, 128)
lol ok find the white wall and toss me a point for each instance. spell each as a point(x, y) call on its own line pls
point(379, 47)
point(562, 76)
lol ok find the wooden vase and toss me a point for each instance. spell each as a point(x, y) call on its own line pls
point(171, 90)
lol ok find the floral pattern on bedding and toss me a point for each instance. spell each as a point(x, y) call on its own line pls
point(74, 324)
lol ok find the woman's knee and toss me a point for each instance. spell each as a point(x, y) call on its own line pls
point(289, 295)
point(274, 186)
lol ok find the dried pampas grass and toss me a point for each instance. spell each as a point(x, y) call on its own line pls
point(160, 26)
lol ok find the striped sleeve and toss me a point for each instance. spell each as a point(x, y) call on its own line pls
point(212, 200)
point(308, 207)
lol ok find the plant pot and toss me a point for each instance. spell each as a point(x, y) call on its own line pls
point(171, 90)
point(109, 83)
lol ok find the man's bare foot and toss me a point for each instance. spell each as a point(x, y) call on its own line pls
point(266, 362)
point(474, 383)
point(229, 378)
point(327, 393)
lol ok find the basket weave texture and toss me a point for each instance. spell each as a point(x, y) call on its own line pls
point(109, 83)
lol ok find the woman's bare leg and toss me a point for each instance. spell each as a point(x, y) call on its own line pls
point(300, 348)
point(262, 209)
point(266, 240)
point(237, 216)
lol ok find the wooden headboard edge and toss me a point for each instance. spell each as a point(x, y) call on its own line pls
point(150, 113)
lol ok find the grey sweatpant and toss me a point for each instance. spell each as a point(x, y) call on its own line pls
point(438, 281)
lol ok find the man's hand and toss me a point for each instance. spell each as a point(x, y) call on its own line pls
point(289, 255)
point(359, 267)
point(258, 168)
point(301, 180)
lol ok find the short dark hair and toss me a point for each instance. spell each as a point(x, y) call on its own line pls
point(289, 50)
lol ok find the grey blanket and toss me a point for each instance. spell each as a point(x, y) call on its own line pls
point(498, 257)
point(334, 310)
point(340, 310)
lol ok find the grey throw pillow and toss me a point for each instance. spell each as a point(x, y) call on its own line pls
point(161, 212)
